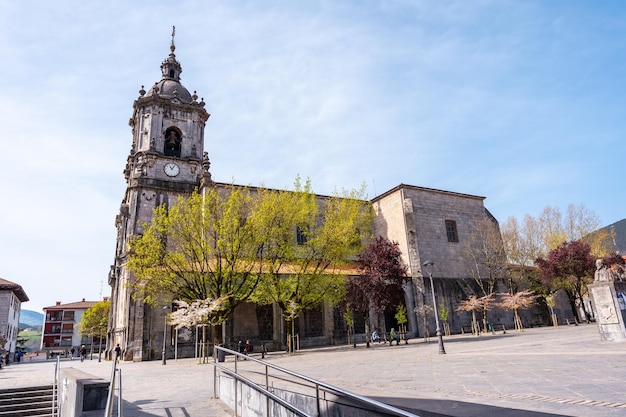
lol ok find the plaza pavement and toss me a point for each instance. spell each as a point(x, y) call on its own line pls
point(564, 371)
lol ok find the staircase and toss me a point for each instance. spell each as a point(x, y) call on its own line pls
point(27, 402)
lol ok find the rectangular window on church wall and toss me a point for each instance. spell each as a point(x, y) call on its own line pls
point(453, 236)
point(300, 236)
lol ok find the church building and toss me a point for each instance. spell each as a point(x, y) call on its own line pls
point(168, 160)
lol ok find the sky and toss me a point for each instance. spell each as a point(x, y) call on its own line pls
point(522, 102)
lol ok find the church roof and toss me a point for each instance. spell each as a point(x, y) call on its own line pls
point(432, 190)
point(169, 89)
point(6, 285)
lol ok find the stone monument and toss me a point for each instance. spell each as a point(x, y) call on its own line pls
point(608, 297)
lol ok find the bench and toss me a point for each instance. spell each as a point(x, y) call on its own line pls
point(492, 328)
point(498, 325)
point(467, 329)
point(384, 338)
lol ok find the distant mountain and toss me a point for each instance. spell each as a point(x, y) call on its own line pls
point(31, 318)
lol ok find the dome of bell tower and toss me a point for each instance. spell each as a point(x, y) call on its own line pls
point(170, 87)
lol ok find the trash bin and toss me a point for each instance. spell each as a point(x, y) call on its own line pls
point(221, 355)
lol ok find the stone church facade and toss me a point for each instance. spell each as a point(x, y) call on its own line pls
point(167, 160)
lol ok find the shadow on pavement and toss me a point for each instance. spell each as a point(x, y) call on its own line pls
point(450, 408)
point(133, 410)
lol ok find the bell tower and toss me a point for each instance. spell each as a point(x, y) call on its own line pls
point(166, 160)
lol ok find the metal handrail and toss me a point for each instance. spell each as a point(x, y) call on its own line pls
point(259, 388)
point(108, 410)
point(55, 388)
point(391, 410)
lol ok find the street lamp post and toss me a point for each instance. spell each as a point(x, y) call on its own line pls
point(91, 346)
point(164, 333)
point(430, 265)
point(100, 346)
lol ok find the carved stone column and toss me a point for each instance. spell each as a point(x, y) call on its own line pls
point(608, 299)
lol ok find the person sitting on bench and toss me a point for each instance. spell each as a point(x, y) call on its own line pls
point(375, 336)
point(394, 336)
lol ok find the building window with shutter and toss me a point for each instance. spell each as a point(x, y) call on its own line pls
point(451, 232)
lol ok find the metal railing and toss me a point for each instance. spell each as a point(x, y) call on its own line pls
point(301, 383)
point(108, 411)
point(55, 412)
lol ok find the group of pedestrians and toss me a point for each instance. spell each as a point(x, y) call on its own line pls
point(82, 352)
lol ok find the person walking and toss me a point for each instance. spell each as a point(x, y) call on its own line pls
point(118, 353)
point(83, 353)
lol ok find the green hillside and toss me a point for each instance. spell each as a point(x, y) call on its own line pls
point(30, 340)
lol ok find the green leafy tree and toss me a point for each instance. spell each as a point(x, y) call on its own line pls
point(401, 317)
point(95, 321)
point(202, 247)
point(444, 314)
point(235, 245)
point(308, 242)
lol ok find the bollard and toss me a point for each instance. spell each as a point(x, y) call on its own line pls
point(221, 355)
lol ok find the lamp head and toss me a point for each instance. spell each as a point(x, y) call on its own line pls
point(429, 266)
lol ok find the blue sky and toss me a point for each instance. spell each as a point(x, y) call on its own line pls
point(522, 102)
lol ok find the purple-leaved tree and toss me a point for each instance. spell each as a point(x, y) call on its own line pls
point(569, 267)
point(379, 285)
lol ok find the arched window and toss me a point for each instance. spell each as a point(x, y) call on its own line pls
point(172, 142)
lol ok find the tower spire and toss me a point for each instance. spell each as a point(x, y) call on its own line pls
point(172, 46)
point(171, 68)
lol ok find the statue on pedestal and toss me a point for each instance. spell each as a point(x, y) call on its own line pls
point(603, 273)
point(607, 296)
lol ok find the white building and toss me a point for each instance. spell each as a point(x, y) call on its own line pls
point(12, 296)
point(61, 327)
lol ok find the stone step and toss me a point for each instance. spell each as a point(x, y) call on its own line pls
point(34, 412)
point(26, 401)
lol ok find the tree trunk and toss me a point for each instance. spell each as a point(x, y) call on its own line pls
point(485, 321)
point(582, 304)
point(475, 327)
point(518, 321)
point(572, 302)
point(367, 328)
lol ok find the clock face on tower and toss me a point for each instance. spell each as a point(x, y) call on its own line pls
point(171, 169)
